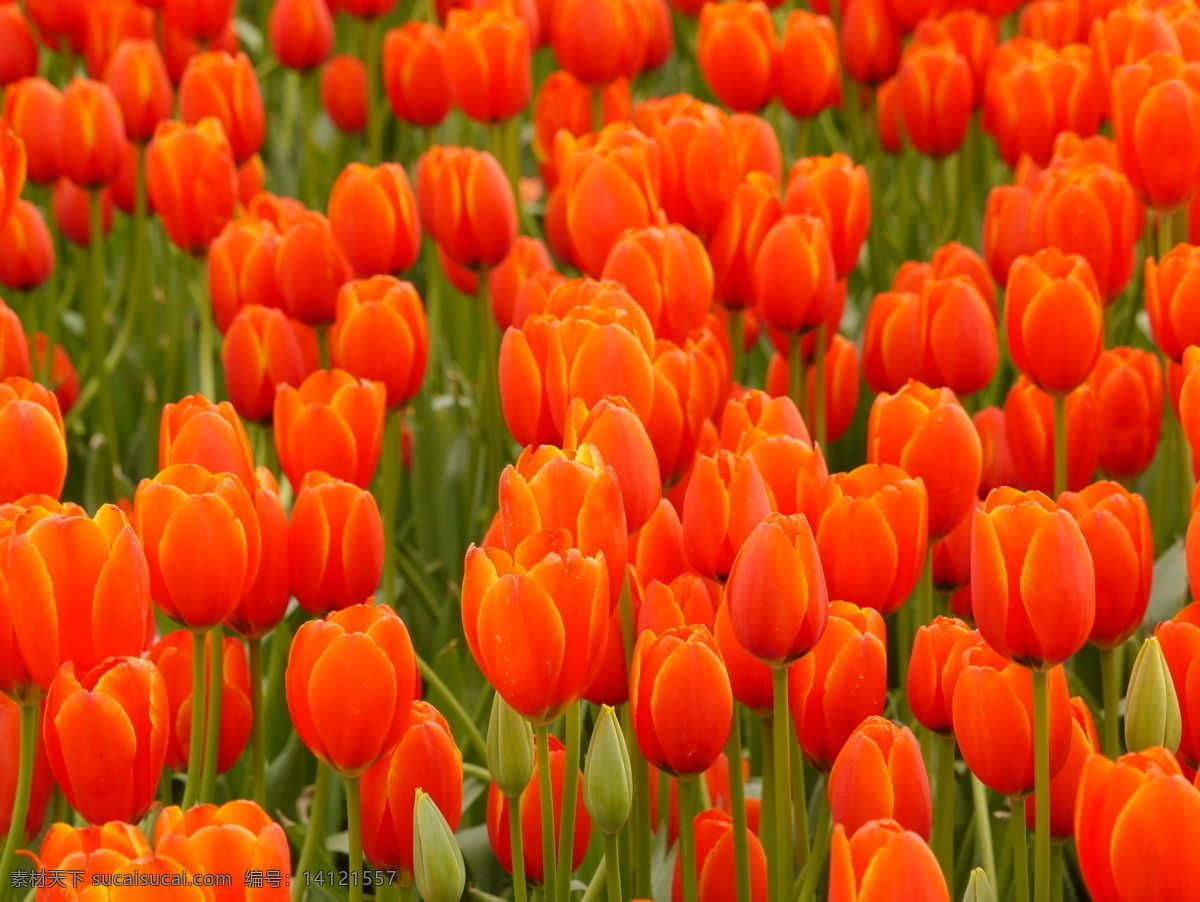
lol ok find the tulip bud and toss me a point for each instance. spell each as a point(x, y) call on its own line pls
point(979, 888)
point(509, 748)
point(1152, 716)
point(437, 860)
point(607, 775)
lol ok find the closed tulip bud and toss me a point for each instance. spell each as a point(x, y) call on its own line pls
point(264, 349)
point(414, 73)
point(934, 669)
point(138, 78)
point(809, 65)
point(937, 95)
point(1152, 716)
point(886, 513)
point(301, 33)
point(374, 218)
point(870, 41)
point(989, 689)
point(1169, 283)
point(32, 439)
point(488, 49)
point(838, 193)
point(192, 182)
point(266, 601)
point(509, 748)
point(344, 92)
point(826, 704)
point(92, 138)
point(310, 269)
point(1029, 435)
point(599, 41)
point(892, 341)
point(225, 87)
point(196, 431)
point(467, 203)
point(28, 256)
point(125, 700)
point(958, 343)
point(794, 275)
point(979, 887)
point(21, 48)
point(607, 775)
point(879, 774)
point(42, 780)
point(30, 138)
point(1006, 233)
point(752, 211)
point(738, 53)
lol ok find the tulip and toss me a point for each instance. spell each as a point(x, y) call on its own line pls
point(950, 260)
point(32, 439)
point(738, 53)
point(989, 687)
point(726, 498)
point(879, 775)
point(1130, 817)
point(958, 343)
point(892, 341)
point(870, 41)
point(756, 416)
point(837, 192)
point(716, 864)
point(266, 601)
point(752, 211)
point(21, 57)
point(344, 92)
point(522, 604)
point(937, 95)
point(809, 66)
point(1006, 228)
point(880, 857)
point(1168, 283)
point(72, 211)
point(241, 269)
point(1152, 715)
point(196, 431)
point(225, 87)
point(1128, 387)
point(125, 700)
point(42, 781)
point(527, 259)
point(192, 182)
point(927, 434)
point(599, 41)
point(202, 542)
point(689, 384)
point(564, 102)
point(1124, 35)
point(794, 274)
point(14, 347)
point(1029, 430)
point(467, 203)
point(28, 256)
point(488, 63)
point(92, 136)
point(608, 777)
point(1180, 641)
point(201, 20)
point(872, 533)
point(62, 373)
point(30, 138)
point(301, 33)
point(310, 269)
point(934, 669)
point(138, 78)
point(374, 218)
point(264, 349)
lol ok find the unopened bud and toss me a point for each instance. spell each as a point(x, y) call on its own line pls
point(1152, 715)
point(979, 888)
point(509, 749)
point(438, 864)
point(607, 775)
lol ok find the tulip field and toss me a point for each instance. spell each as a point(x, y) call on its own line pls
point(599, 450)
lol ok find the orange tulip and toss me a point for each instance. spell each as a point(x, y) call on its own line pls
point(755, 416)
point(937, 95)
point(1168, 284)
point(1029, 436)
point(374, 218)
point(872, 533)
point(179, 47)
point(375, 313)
point(202, 20)
point(674, 734)
point(934, 668)
point(949, 260)
point(840, 683)
point(755, 146)
point(301, 33)
point(971, 32)
point(879, 774)
point(958, 343)
point(14, 347)
point(28, 257)
point(488, 63)
point(202, 542)
point(838, 193)
point(809, 67)
point(716, 864)
point(32, 439)
point(1123, 35)
point(1180, 641)
point(531, 817)
point(264, 349)
point(752, 211)
point(737, 50)
point(196, 431)
point(688, 387)
point(43, 780)
point(1006, 234)
point(106, 25)
point(1130, 817)
point(344, 92)
point(427, 760)
point(123, 700)
point(1064, 786)
point(266, 601)
point(21, 48)
point(95, 607)
point(1128, 386)
point(72, 213)
point(351, 681)
point(776, 592)
point(310, 269)
point(138, 78)
point(225, 87)
point(527, 259)
point(667, 271)
point(92, 137)
point(841, 384)
point(794, 275)
point(564, 102)
point(30, 138)
point(926, 433)
point(879, 859)
point(241, 269)
point(467, 204)
point(414, 73)
point(726, 498)
point(599, 41)
point(172, 655)
point(892, 341)
point(870, 41)
point(192, 182)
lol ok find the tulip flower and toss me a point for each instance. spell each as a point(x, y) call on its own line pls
point(756, 416)
point(870, 41)
point(934, 669)
point(1180, 641)
point(837, 192)
point(21, 61)
point(196, 431)
point(14, 347)
point(225, 87)
point(809, 65)
point(673, 733)
point(125, 700)
point(351, 681)
point(950, 260)
point(192, 181)
point(879, 775)
point(201, 20)
point(753, 210)
point(32, 438)
point(738, 53)
point(794, 274)
point(1168, 283)
point(488, 63)
point(241, 269)
point(958, 343)
point(72, 211)
point(344, 92)
point(872, 533)
point(726, 498)
point(530, 817)
point(467, 203)
point(599, 41)
point(426, 760)
point(374, 218)
point(880, 857)
point(1006, 228)
point(237, 838)
point(1029, 433)
point(382, 312)
point(937, 95)
point(527, 259)
point(28, 257)
point(264, 349)
point(30, 139)
point(716, 874)
point(414, 73)
point(1128, 386)
point(891, 341)
point(688, 387)
point(301, 33)
point(524, 605)
point(42, 780)
point(266, 601)
point(826, 705)
point(564, 102)
point(310, 269)
point(138, 78)
point(92, 136)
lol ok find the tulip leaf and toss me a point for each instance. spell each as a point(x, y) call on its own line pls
point(1170, 590)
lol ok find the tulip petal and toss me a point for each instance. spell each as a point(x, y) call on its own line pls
point(352, 682)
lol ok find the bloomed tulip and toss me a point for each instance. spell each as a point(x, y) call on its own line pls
point(21, 57)
point(92, 136)
point(138, 78)
point(467, 204)
point(32, 439)
point(1128, 386)
point(264, 349)
point(1029, 434)
point(241, 269)
point(937, 95)
point(879, 774)
point(809, 66)
point(564, 102)
point(892, 341)
point(527, 259)
point(301, 33)
point(838, 193)
point(752, 211)
point(344, 92)
point(738, 53)
point(310, 269)
point(958, 343)
point(1180, 641)
point(879, 859)
point(374, 217)
point(488, 63)
point(1064, 785)
point(377, 313)
point(870, 41)
point(225, 87)
point(1169, 282)
point(934, 669)
point(196, 431)
point(30, 138)
point(726, 498)
point(794, 274)
point(716, 862)
point(950, 260)
point(1006, 228)
point(266, 601)
point(192, 181)
point(28, 257)
point(599, 41)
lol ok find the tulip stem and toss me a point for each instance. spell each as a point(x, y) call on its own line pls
point(1056, 872)
point(374, 105)
point(816, 861)
point(612, 864)
point(598, 114)
point(1060, 444)
point(316, 830)
point(687, 838)
point(392, 431)
point(212, 726)
point(258, 738)
point(566, 838)
point(97, 325)
point(1041, 785)
point(1110, 675)
point(208, 378)
point(796, 374)
point(983, 827)
point(191, 790)
point(766, 821)
point(781, 860)
point(29, 720)
point(518, 848)
point(819, 428)
point(546, 791)
point(1016, 837)
point(354, 828)
point(799, 798)
point(944, 826)
point(737, 801)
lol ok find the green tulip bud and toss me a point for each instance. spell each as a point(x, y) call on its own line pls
point(509, 749)
point(437, 860)
point(979, 888)
point(1151, 707)
point(607, 775)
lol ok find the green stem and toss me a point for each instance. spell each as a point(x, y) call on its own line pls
point(983, 827)
point(799, 799)
point(212, 726)
point(904, 642)
point(258, 736)
point(612, 864)
point(766, 827)
point(516, 843)
point(819, 391)
point(316, 830)
point(687, 838)
point(1016, 836)
point(924, 615)
point(29, 720)
point(354, 827)
point(1165, 239)
point(545, 789)
point(191, 791)
point(392, 431)
point(641, 814)
point(1110, 675)
point(1060, 444)
point(374, 103)
point(737, 327)
point(1056, 872)
point(97, 323)
point(816, 861)
point(737, 801)
point(943, 828)
point(1041, 785)
point(208, 378)
point(311, 101)
point(781, 860)
point(796, 375)
point(450, 700)
point(566, 838)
